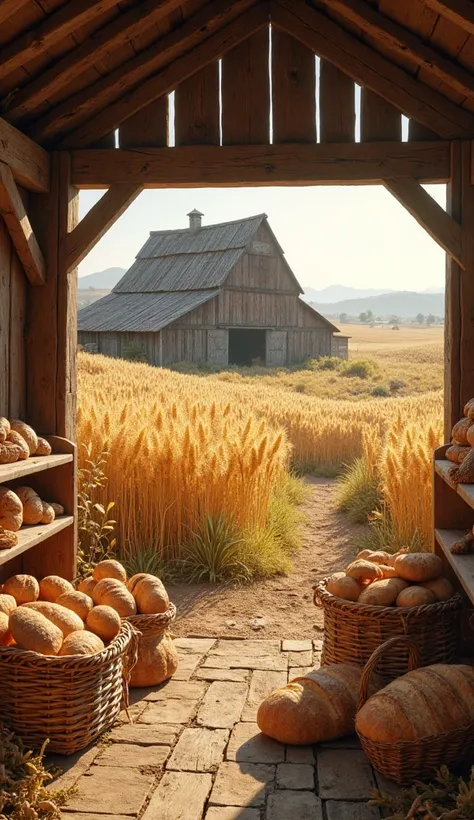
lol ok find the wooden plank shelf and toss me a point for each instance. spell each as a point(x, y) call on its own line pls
point(34, 464)
point(29, 537)
point(462, 565)
point(465, 491)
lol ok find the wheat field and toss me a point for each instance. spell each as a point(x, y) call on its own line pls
point(183, 446)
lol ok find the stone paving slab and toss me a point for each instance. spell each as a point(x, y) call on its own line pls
point(246, 647)
point(172, 689)
point(169, 711)
point(159, 735)
point(187, 664)
point(194, 646)
point(344, 774)
point(301, 659)
point(179, 796)
point(300, 754)
point(338, 810)
point(295, 776)
point(294, 805)
point(132, 756)
point(296, 646)
point(222, 705)
point(109, 790)
point(243, 784)
point(261, 684)
point(199, 750)
point(235, 675)
point(248, 745)
point(272, 663)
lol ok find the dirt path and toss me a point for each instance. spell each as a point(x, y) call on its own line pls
point(285, 603)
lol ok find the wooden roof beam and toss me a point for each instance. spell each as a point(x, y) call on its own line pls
point(429, 214)
point(460, 12)
point(239, 165)
point(391, 35)
point(55, 27)
point(98, 220)
point(7, 7)
point(69, 114)
point(370, 69)
point(166, 81)
point(99, 45)
point(18, 225)
point(29, 162)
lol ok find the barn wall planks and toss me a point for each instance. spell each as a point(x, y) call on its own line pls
point(336, 104)
point(378, 119)
point(148, 127)
point(293, 90)
point(242, 308)
point(197, 108)
point(308, 344)
point(12, 326)
point(246, 92)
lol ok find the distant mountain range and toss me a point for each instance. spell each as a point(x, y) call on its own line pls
point(406, 304)
point(337, 293)
point(103, 280)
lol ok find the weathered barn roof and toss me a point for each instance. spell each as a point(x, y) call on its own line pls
point(140, 312)
point(189, 260)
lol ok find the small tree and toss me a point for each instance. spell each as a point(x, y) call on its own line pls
point(362, 317)
point(343, 317)
point(430, 320)
point(420, 318)
point(370, 316)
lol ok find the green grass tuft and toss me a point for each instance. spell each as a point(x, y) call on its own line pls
point(358, 492)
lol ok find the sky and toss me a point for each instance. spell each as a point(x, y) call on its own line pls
point(358, 236)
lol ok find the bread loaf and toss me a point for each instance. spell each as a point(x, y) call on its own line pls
point(81, 643)
point(343, 586)
point(43, 448)
point(32, 505)
point(86, 586)
point(418, 566)
point(5, 634)
point(109, 569)
point(104, 621)
point(441, 588)
point(415, 596)
point(149, 593)
point(364, 571)
point(17, 440)
point(77, 602)
point(157, 661)
point(383, 593)
point(460, 430)
point(7, 603)
point(11, 510)
point(32, 631)
point(27, 433)
point(52, 586)
point(318, 707)
point(114, 593)
point(8, 539)
point(457, 454)
point(24, 588)
point(48, 513)
point(9, 453)
point(429, 701)
point(66, 620)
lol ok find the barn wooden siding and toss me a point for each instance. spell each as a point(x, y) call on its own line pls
point(13, 290)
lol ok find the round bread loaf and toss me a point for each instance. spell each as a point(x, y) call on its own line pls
point(81, 643)
point(109, 569)
point(52, 586)
point(5, 634)
point(343, 586)
point(7, 603)
point(86, 585)
point(441, 588)
point(32, 505)
point(384, 592)
point(415, 596)
point(149, 593)
point(32, 631)
point(61, 617)
point(48, 513)
point(418, 566)
point(18, 441)
point(104, 621)
point(24, 588)
point(77, 602)
point(11, 510)
point(27, 433)
point(43, 448)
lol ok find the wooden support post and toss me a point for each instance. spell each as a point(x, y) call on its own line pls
point(97, 221)
point(459, 322)
point(442, 227)
point(51, 325)
point(19, 228)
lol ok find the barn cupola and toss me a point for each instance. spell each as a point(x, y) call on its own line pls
point(195, 220)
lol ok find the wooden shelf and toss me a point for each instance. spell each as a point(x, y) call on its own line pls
point(29, 537)
point(465, 491)
point(462, 565)
point(34, 464)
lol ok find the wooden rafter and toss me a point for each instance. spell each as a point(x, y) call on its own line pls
point(28, 161)
point(239, 165)
point(99, 45)
point(370, 69)
point(55, 27)
point(394, 36)
point(76, 109)
point(98, 220)
point(429, 214)
point(24, 241)
point(7, 7)
point(165, 81)
point(460, 12)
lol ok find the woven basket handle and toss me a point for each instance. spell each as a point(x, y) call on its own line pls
point(413, 663)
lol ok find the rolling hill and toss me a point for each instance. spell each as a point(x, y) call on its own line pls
point(102, 280)
point(406, 304)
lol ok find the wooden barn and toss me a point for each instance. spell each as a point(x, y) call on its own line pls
point(266, 92)
point(222, 294)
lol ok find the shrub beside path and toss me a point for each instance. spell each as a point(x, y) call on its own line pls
point(281, 607)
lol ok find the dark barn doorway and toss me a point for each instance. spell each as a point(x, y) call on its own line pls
point(246, 347)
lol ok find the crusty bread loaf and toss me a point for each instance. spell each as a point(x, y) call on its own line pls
point(104, 621)
point(24, 588)
point(32, 631)
point(66, 620)
point(81, 643)
point(52, 586)
point(77, 602)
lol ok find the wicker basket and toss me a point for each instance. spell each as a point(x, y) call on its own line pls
point(411, 760)
point(153, 624)
point(70, 700)
point(353, 631)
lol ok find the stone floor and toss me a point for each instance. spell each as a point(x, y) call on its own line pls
point(194, 751)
